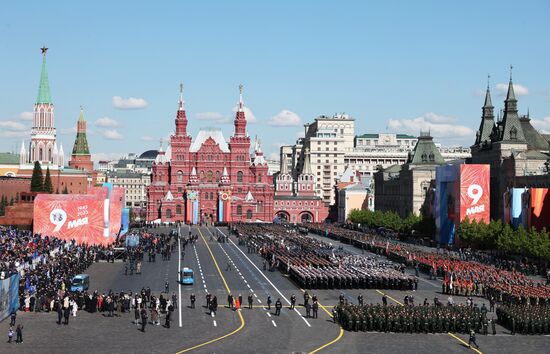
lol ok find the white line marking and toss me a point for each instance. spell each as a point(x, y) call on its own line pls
point(274, 324)
point(268, 314)
point(266, 278)
point(259, 301)
point(215, 324)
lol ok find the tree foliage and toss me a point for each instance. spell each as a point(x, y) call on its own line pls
point(37, 180)
point(48, 186)
point(391, 220)
point(502, 237)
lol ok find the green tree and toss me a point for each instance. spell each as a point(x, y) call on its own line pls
point(2, 205)
point(507, 241)
point(37, 180)
point(48, 186)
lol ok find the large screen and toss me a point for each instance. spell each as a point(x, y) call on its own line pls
point(474, 192)
point(78, 217)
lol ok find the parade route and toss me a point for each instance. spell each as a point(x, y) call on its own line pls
point(228, 268)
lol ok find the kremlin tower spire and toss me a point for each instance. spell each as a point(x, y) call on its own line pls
point(43, 133)
point(81, 158)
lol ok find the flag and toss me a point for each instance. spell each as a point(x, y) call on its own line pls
point(451, 283)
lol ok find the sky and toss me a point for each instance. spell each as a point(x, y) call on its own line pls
point(394, 66)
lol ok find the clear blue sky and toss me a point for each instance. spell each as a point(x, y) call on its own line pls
point(392, 65)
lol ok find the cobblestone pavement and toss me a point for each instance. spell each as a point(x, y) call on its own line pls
point(259, 331)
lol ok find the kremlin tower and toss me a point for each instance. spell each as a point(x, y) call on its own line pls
point(81, 158)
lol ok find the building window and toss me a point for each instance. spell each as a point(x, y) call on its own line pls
point(239, 176)
point(178, 209)
point(169, 213)
point(210, 176)
point(217, 176)
point(249, 214)
point(239, 210)
point(180, 176)
point(206, 195)
point(211, 196)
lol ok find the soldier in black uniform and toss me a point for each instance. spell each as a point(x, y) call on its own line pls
point(250, 299)
point(192, 298)
point(278, 306)
point(292, 301)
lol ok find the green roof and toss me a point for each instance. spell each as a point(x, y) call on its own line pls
point(44, 95)
point(405, 136)
point(368, 136)
point(7, 158)
point(425, 152)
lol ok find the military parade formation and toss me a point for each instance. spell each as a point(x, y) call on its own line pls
point(523, 319)
point(315, 264)
point(413, 319)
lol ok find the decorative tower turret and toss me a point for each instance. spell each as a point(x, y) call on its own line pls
point(240, 119)
point(306, 179)
point(483, 135)
point(239, 145)
point(284, 180)
point(43, 134)
point(81, 158)
point(511, 126)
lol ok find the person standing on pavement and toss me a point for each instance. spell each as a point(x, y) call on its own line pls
point(13, 316)
point(174, 300)
point(269, 302)
point(143, 314)
point(292, 301)
point(136, 314)
point(10, 334)
point(250, 300)
point(19, 331)
point(193, 298)
point(59, 312)
point(308, 310)
point(278, 306)
point(166, 287)
point(169, 315)
point(214, 305)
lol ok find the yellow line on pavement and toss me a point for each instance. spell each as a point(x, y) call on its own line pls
point(228, 291)
point(449, 333)
point(463, 342)
point(389, 297)
point(340, 334)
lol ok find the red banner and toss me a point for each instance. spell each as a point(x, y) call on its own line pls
point(115, 210)
point(474, 192)
point(78, 217)
point(540, 208)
